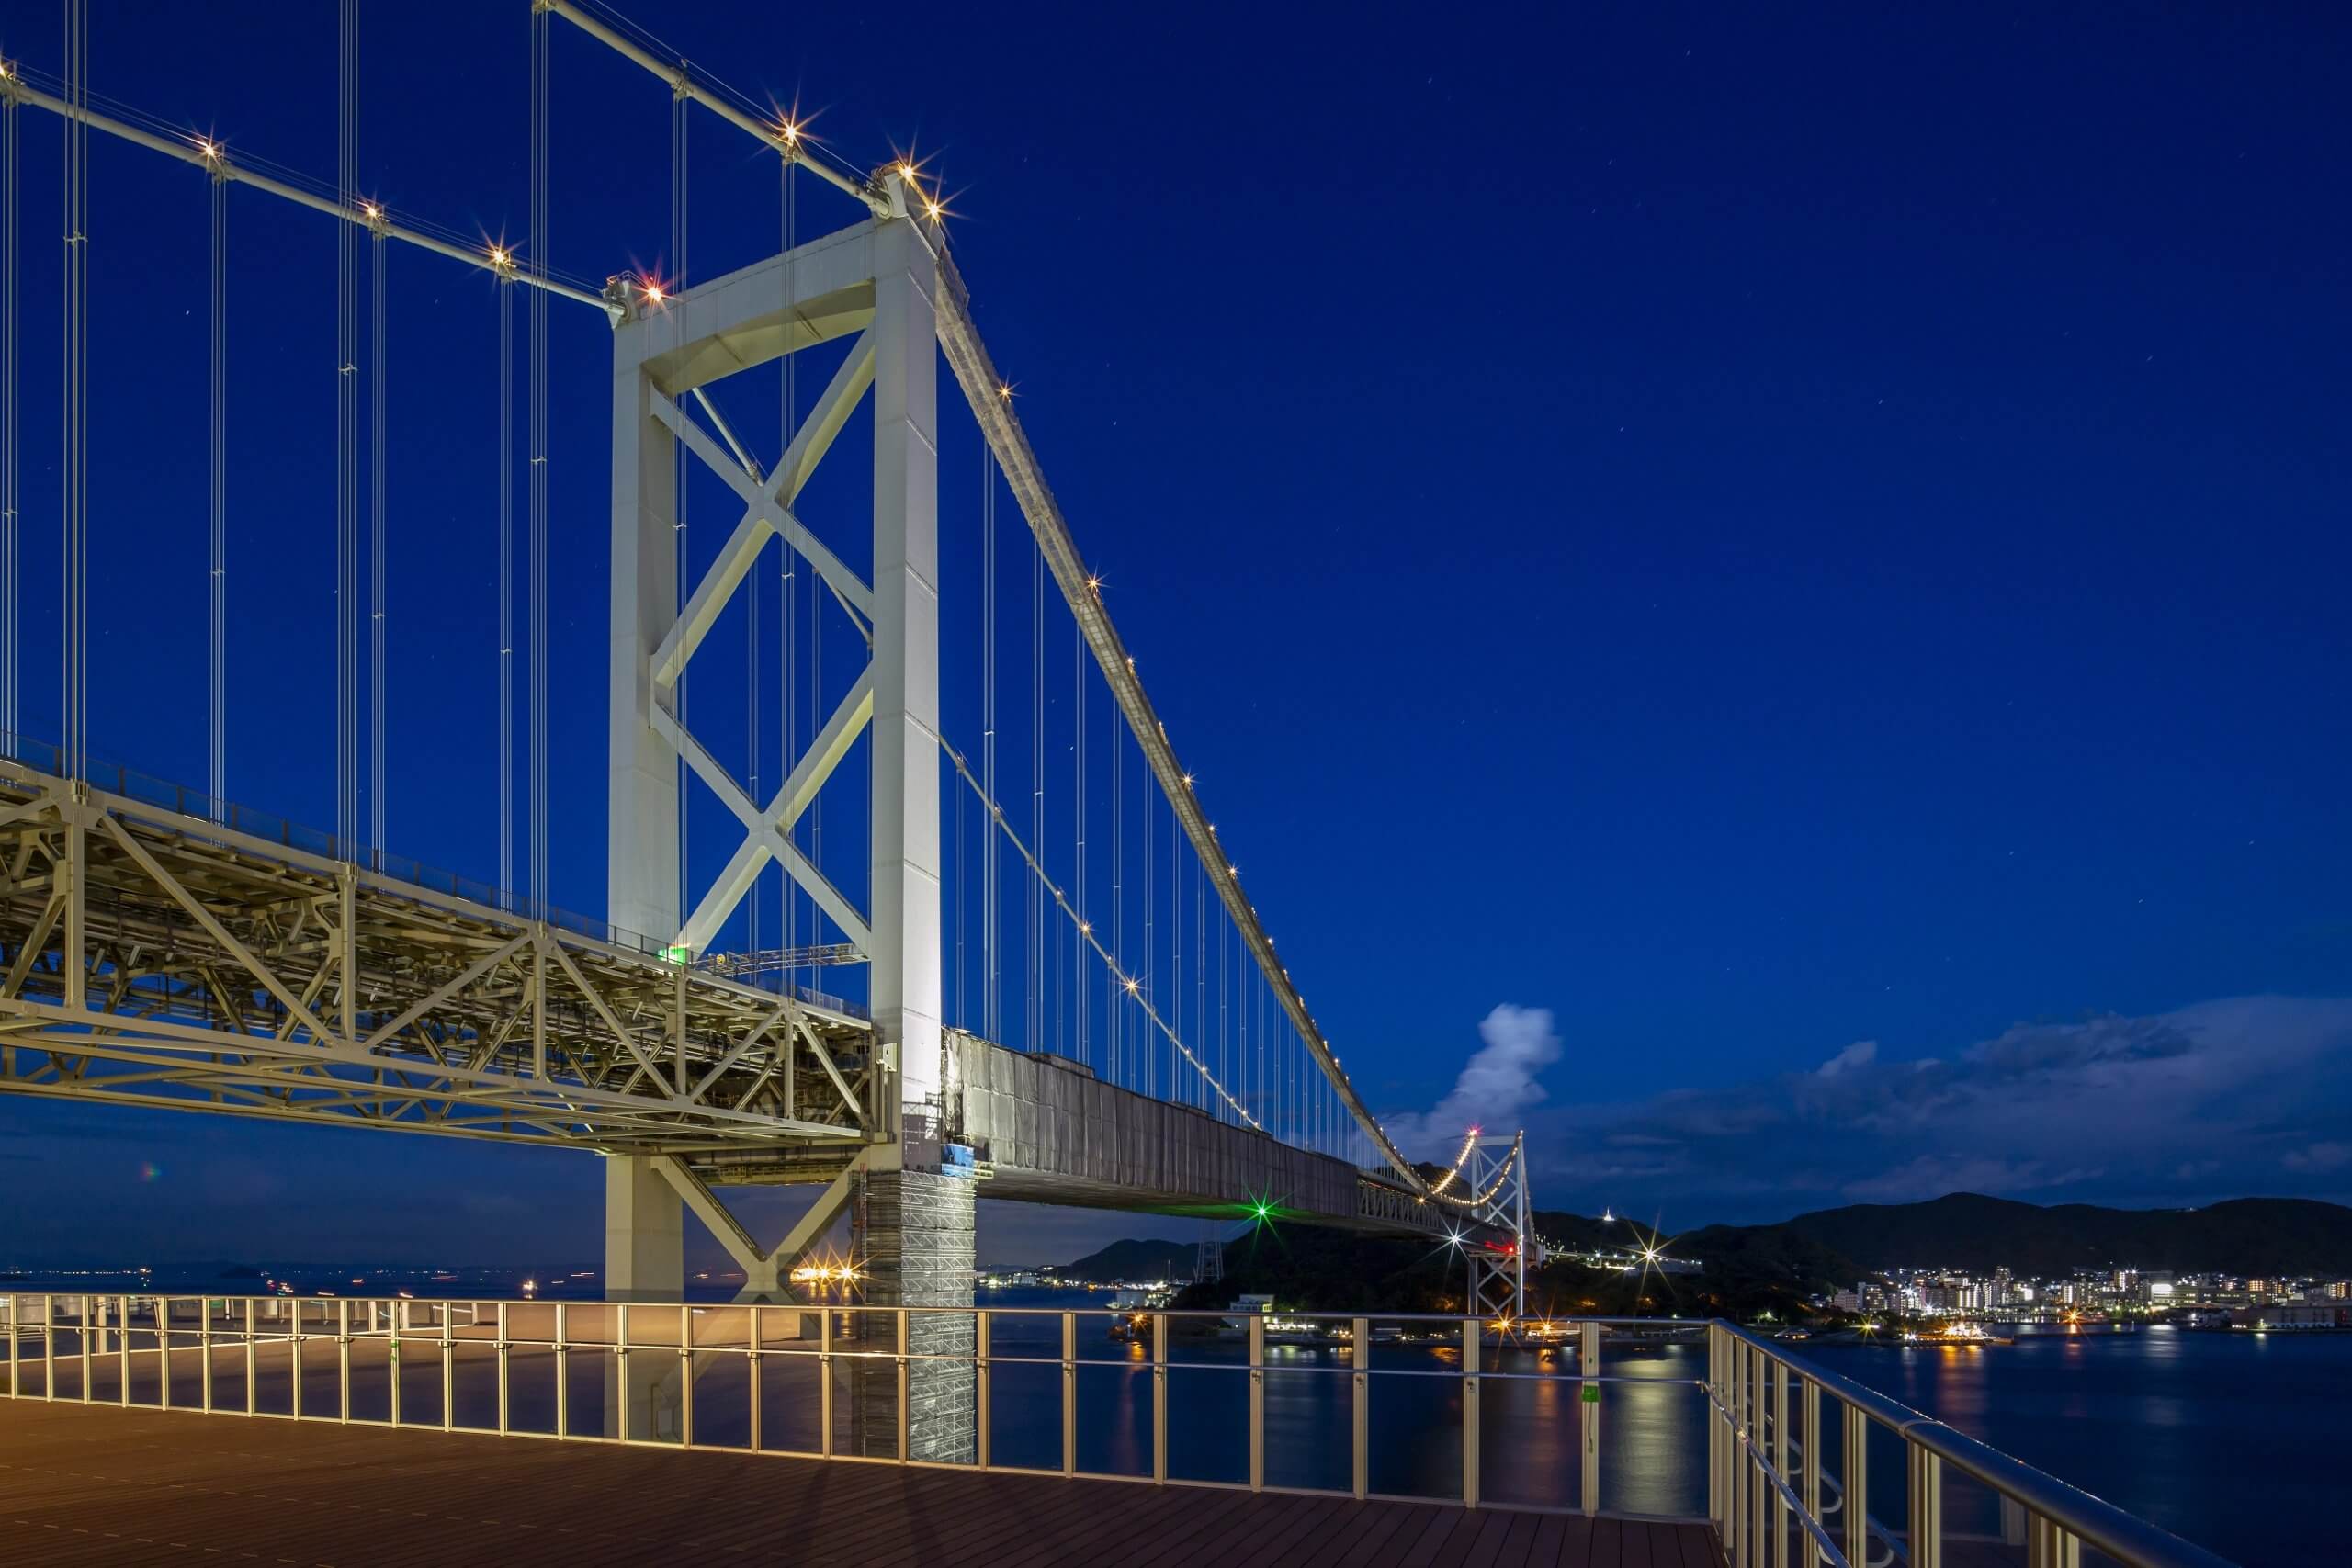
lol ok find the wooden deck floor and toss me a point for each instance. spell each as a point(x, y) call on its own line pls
point(100, 1485)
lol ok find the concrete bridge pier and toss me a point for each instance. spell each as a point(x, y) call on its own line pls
point(914, 1230)
point(644, 1262)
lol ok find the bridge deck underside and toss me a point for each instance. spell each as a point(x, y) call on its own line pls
point(98, 1484)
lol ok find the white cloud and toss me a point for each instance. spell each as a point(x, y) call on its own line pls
point(1860, 1053)
point(1495, 1089)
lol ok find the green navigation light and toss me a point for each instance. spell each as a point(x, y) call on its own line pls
point(679, 955)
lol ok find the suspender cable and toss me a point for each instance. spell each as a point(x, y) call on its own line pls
point(1111, 1010)
point(1151, 957)
point(1036, 934)
point(785, 888)
point(11, 418)
point(538, 442)
point(505, 590)
point(992, 1024)
point(377, 253)
point(75, 475)
point(347, 478)
point(1079, 1041)
point(217, 580)
point(681, 477)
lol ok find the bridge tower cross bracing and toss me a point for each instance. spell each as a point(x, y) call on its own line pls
point(878, 279)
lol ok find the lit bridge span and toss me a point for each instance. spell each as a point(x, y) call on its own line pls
point(1134, 1043)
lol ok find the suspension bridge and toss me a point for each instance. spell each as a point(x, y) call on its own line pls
point(913, 900)
point(1017, 958)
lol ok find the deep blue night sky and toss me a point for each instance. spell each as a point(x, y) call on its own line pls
point(1813, 551)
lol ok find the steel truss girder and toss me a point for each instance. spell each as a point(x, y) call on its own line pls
point(149, 957)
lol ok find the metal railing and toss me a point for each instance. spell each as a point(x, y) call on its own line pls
point(1486, 1413)
point(1789, 1476)
point(1280, 1403)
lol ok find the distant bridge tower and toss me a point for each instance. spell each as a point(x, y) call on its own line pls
point(1208, 1253)
point(1497, 1169)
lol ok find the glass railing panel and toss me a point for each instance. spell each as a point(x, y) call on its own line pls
point(1208, 1397)
point(590, 1389)
point(371, 1369)
point(1530, 1447)
point(866, 1382)
point(322, 1373)
point(1025, 1390)
point(1111, 1393)
point(473, 1378)
point(590, 1323)
point(650, 1391)
point(1414, 1408)
point(792, 1379)
point(722, 1396)
point(416, 1370)
point(1653, 1417)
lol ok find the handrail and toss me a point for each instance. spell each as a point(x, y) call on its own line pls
point(1769, 1495)
point(2091, 1520)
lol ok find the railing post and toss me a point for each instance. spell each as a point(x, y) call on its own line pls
point(342, 1360)
point(1159, 1398)
point(1257, 1401)
point(1588, 1411)
point(562, 1375)
point(755, 1343)
point(905, 1377)
point(1812, 1461)
point(122, 1349)
point(1783, 1447)
point(2047, 1545)
point(1858, 1488)
point(686, 1372)
point(1737, 1451)
point(9, 1300)
point(1927, 1477)
point(294, 1345)
point(1070, 1393)
point(1360, 1355)
point(448, 1370)
point(49, 1347)
point(825, 1384)
point(503, 1370)
point(1718, 1423)
point(204, 1348)
point(1470, 1412)
point(981, 1388)
point(252, 1360)
point(1760, 1495)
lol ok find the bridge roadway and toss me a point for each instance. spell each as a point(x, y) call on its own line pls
point(159, 948)
point(100, 1485)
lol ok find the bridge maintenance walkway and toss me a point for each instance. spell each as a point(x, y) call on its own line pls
point(99, 1485)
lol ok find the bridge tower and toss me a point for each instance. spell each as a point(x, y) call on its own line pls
point(1497, 1168)
point(877, 280)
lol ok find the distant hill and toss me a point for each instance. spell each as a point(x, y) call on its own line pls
point(1133, 1259)
point(1965, 1230)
